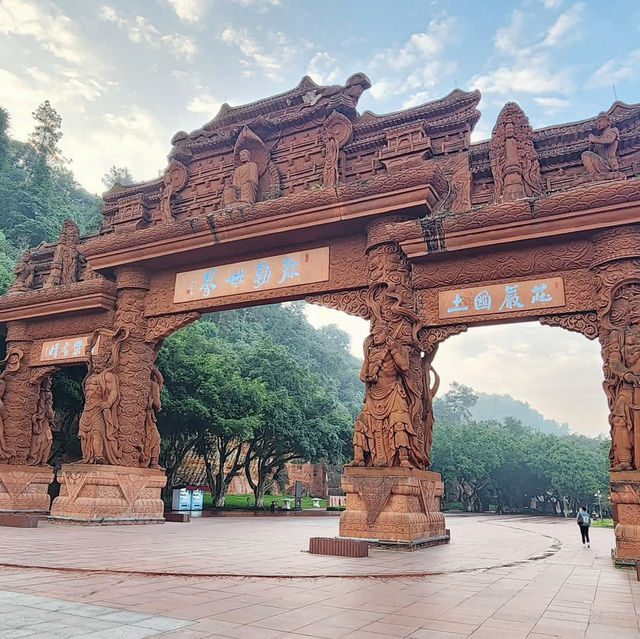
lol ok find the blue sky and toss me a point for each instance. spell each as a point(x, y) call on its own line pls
point(126, 75)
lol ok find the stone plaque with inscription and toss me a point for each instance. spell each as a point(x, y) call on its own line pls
point(510, 297)
point(277, 271)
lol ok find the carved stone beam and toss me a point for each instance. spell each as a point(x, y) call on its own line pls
point(38, 373)
point(351, 302)
point(163, 325)
point(431, 337)
point(585, 323)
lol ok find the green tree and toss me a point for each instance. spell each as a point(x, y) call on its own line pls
point(44, 141)
point(117, 175)
point(4, 136)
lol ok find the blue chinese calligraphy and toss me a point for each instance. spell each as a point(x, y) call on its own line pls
point(263, 275)
point(236, 278)
point(207, 282)
point(539, 294)
point(78, 348)
point(482, 301)
point(289, 269)
point(512, 299)
point(457, 305)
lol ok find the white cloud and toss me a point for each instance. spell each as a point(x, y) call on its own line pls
point(526, 64)
point(262, 4)
point(531, 76)
point(271, 57)
point(563, 30)
point(190, 11)
point(617, 70)
point(139, 30)
point(323, 68)
point(509, 359)
point(46, 24)
point(552, 4)
point(552, 104)
point(514, 359)
point(131, 137)
point(416, 66)
point(69, 86)
point(204, 104)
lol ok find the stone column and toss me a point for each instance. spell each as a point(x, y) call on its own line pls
point(617, 272)
point(23, 487)
point(119, 488)
point(391, 496)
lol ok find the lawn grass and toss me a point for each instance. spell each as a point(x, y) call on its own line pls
point(248, 501)
point(602, 523)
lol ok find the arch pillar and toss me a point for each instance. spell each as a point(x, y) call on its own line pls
point(118, 479)
point(24, 478)
point(617, 271)
point(392, 497)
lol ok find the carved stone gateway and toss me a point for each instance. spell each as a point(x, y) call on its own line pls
point(394, 218)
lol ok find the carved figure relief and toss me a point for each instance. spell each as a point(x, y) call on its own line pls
point(99, 422)
point(336, 132)
point(175, 179)
point(254, 172)
point(514, 159)
point(152, 440)
point(64, 268)
point(458, 172)
point(12, 363)
point(25, 273)
point(602, 154)
point(392, 428)
point(42, 422)
point(245, 178)
point(621, 352)
point(384, 434)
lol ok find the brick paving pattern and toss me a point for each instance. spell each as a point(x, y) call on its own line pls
point(552, 587)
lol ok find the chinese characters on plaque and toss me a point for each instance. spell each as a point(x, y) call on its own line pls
point(501, 298)
point(60, 350)
point(278, 271)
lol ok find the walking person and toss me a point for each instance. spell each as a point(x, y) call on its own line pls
point(584, 521)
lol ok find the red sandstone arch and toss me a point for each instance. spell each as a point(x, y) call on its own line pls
point(397, 218)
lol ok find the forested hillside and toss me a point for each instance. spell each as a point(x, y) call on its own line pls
point(495, 406)
point(37, 190)
point(506, 464)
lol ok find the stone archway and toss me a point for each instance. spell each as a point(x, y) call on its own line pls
point(399, 219)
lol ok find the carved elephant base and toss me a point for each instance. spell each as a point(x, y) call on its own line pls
point(398, 505)
point(103, 495)
point(25, 488)
point(625, 500)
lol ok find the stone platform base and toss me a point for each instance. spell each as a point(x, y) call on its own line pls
point(625, 501)
point(399, 505)
point(25, 488)
point(102, 495)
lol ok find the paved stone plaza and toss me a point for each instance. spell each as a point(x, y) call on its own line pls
point(501, 578)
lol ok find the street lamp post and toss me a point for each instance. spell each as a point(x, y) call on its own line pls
point(599, 496)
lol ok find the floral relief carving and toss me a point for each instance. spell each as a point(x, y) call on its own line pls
point(162, 326)
point(584, 323)
point(351, 302)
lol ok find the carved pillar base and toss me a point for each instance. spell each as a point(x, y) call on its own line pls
point(625, 499)
point(398, 505)
point(100, 494)
point(24, 488)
